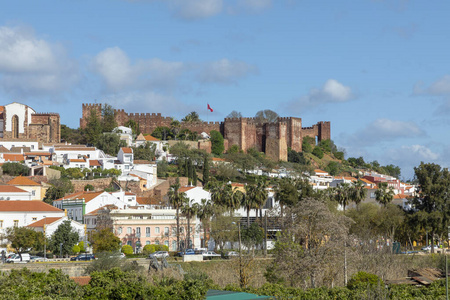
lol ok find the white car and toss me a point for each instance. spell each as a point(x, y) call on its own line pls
point(159, 254)
point(232, 254)
point(428, 248)
point(210, 254)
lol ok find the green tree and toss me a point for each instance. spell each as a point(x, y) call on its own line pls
point(192, 117)
point(75, 249)
point(432, 202)
point(252, 235)
point(318, 152)
point(110, 143)
point(127, 249)
point(307, 144)
point(134, 126)
point(204, 212)
point(384, 194)
point(190, 211)
point(343, 194)
point(60, 187)
point(65, 235)
point(104, 240)
point(163, 133)
point(15, 169)
point(333, 168)
point(217, 143)
point(93, 129)
point(148, 249)
point(206, 162)
point(108, 121)
point(89, 187)
point(23, 238)
point(145, 152)
point(176, 201)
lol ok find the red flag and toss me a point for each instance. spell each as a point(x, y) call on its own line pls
point(209, 107)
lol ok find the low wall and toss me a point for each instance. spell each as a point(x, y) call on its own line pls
point(195, 257)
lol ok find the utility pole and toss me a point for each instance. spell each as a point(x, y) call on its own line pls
point(265, 234)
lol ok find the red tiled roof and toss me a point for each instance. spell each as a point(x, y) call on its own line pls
point(77, 160)
point(44, 221)
point(94, 163)
point(87, 196)
point(185, 189)
point(218, 159)
point(13, 157)
point(151, 138)
point(95, 212)
point(11, 189)
point(20, 180)
point(134, 175)
point(127, 150)
point(26, 205)
point(237, 184)
point(130, 194)
point(38, 153)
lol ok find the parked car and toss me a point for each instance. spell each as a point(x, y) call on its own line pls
point(187, 252)
point(36, 258)
point(210, 255)
point(159, 254)
point(16, 258)
point(83, 257)
point(231, 254)
point(118, 255)
point(428, 248)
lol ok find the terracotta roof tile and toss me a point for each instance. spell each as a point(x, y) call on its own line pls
point(37, 153)
point(13, 157)
point(151, 138)
point(218, 159)
point(11, 189)
point(94, 163)
point(127, 150)
point(142, 162)
point(44, 221)
point(20, 180)
point(3, 149)
point(26, 205)
point(186, 188)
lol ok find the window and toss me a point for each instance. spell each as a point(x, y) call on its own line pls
point(147, 242)
point(127, 167)
point(166, 243)
point(166, 231)
point(157, 230)
point(138, 231)
point(181, 230)
point(16, 223)
point(34, 219)
point(147, 231)
point(174, 245)
point(174, 231)
point(129, 230)
point(157, 242)
point(33, 193)
point(120, 230)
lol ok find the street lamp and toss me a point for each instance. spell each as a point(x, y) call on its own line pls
point(45, 240)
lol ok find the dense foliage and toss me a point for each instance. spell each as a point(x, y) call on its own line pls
point(15, 169)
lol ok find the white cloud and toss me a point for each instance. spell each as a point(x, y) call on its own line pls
point(384, 130)
point(257, 5)
point(31, 66)
point(331, 92)
point(118, 73)
point(196, 9)
point(440, 87)
point(225, 71)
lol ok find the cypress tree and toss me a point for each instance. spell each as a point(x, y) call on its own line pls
point(205, 169)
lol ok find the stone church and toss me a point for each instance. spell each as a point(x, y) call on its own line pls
point(21, 122)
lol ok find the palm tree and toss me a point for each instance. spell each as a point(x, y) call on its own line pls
point(248, 201)
point(175, 199)
point(359, 192)
point(261, 195)
point(204, 212)
point(342, 194)
point(189, 210)
point(384, 194)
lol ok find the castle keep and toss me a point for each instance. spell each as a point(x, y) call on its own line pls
point(273, 139)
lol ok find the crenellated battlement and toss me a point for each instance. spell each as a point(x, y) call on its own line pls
point(273, 138)
point(46, 114)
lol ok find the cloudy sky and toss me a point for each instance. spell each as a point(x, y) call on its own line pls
point(377, 69)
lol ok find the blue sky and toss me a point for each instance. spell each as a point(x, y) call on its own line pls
point(378, 70)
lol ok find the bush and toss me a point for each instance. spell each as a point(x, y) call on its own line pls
point(15, 169)
point(363, 280)
point(75, 249)
point(161, 248)
point(89, 187)
point(318, 152)
point(148, 249)
point(127, 249)
point(217, 143)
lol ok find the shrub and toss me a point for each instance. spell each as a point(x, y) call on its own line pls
point(127, 249)
point(363, 280)
point(89, 187)
point(148, 249)
point(318, 152)
point(161, 248)
point(75, 249)
point(217, 143)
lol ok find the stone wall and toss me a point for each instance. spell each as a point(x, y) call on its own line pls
point(99, 184)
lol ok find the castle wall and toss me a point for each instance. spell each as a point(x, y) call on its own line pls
point(272, 138)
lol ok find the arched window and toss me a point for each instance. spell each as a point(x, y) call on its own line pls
point(15, 127)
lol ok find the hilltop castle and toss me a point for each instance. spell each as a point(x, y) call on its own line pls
point(274, 139)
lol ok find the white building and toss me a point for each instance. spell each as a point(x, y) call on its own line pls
point(48, 226)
